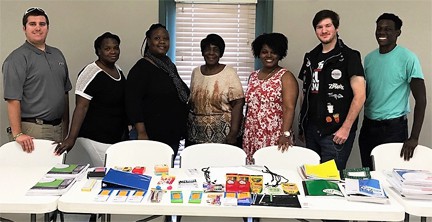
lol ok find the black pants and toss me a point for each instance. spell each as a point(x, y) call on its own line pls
point(374, 133)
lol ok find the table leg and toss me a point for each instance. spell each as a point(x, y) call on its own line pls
point(108, 217)
point(173, 218)
point(102, 217)
point(47, 217)
point(406, 217)
point(33, 217)
point(423, 219)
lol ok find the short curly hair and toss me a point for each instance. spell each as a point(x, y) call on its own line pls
point(213, 39)
point(278, 42)
point(392, 17)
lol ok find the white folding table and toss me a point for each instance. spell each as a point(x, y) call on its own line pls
point(15, 182)
point(419, 208)
point(329, 208)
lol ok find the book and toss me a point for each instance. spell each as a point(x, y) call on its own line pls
point(67, 171)
point(410, 191)
point(51, 186)
point(413, 177)
point(365, 190)
point(326, 171)
point(321, 188)
point(417, 196)
point(116, 179)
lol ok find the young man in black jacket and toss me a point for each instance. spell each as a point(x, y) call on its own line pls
point(333, 92)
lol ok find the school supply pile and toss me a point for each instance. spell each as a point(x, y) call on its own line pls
point(411, 184)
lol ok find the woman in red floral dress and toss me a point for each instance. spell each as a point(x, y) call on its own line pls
point(271, 97)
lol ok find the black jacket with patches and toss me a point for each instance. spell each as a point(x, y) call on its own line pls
point(335, 92)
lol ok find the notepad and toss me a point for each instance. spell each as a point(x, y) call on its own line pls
point(176, 197)
point(136, 197)
point(103, 195)
point(195, 197)
point(121, 196)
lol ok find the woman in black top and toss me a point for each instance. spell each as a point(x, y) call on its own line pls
point(99, 118)
point(156, 97)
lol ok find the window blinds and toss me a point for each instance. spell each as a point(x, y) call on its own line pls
point(235, 23)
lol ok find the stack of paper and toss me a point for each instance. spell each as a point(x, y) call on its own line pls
point(412, 184)
point(58, 180)
point(48, 186)
point(323, 171)
point(365, 190)
point(68, 171)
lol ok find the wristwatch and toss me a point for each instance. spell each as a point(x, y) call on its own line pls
point(287, 133)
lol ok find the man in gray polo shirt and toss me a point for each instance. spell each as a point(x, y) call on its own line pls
point(36, 85)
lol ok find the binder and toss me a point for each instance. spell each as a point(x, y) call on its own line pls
point(116, 179)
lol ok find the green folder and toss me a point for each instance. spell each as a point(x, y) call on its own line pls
point(46, 183)
point(69, 169)
point(321, 188)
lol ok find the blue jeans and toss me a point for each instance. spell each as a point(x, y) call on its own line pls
point(374, 133)
point(327, 149)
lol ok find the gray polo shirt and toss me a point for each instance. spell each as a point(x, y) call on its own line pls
point(38, 79)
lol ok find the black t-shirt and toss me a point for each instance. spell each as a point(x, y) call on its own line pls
point(105, 119)
point(152, 98)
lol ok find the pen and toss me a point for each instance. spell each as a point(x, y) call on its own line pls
point(262, 197)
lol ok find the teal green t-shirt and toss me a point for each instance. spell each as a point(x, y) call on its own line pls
point(388, 78)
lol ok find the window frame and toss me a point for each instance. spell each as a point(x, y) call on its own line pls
point(263, 21)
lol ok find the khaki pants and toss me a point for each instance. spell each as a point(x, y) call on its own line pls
point(44, 131)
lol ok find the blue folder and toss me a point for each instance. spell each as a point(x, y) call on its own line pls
point(116, 179)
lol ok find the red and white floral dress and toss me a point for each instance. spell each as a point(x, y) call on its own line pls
point(264, 112)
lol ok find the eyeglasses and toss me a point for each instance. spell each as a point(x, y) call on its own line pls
point(34, 9)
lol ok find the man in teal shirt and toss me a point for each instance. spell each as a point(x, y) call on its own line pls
point(391, 72)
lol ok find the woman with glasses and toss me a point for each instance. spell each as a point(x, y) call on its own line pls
point(217, 98)
point(99, 118)
point(156, 96)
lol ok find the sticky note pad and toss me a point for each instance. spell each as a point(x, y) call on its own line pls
point(195, 197)
point(121, 196)
point(103, 195)
point(136, 196)
point(176, 197)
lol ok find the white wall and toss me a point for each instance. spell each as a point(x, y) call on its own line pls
point(357, 28)
point(74, 25)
